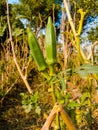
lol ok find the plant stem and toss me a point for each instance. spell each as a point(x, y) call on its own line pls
point(51, 68)
point(13, 51)
point(81, 57)
point(54, 101)
point(45, 74)
point(70, 18)
point(58, 121)
point(58, 109)
point(82, 13)
point(53, 93)
point(67, 119)
point(76, 35)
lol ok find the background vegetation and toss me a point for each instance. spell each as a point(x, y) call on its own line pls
point(76, 76)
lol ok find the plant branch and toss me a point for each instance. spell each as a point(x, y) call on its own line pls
point(82, 13)
point(66, 119)
point(70, 18)
point(64, 36)
point(92, 50)
point(76, 35)
point(50, 118)
point(14, 56)
point(9, 89)
point(58, 109)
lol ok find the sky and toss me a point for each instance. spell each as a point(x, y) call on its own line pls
point(87, 28)
point(12, 1)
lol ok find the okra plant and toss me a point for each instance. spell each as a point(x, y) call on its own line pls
point(46, 66)
point(57, 81)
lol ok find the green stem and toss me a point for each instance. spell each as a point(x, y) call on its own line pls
point(51, 68)
point(54, 101)
point(53, 93)
point(58, 121)
point(82, 16)
point(78, 49)
point(45, 74)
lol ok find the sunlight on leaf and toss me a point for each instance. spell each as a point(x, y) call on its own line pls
point(86, 69)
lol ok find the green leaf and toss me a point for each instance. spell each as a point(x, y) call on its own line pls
point(86, 69)
point(2, 29)
point(17, 32)
point(73, 104)
point(27, 108)
point(38, 110)
point(63, 84)
point(58, 94)
point(62, 101)
point(84, 98)
point(67, 97)
point(34, 98)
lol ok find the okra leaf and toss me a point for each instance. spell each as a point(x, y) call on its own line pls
point(86, 69)
point(63, 84)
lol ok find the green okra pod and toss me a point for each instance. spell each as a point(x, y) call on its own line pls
point(36, 51)
point(50, 43)
point(51, 55)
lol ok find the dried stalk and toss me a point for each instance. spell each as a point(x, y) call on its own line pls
point(14, 56)
point(53, 13)
point(92, 50)
point(70, 18)
point(76, 35)
point(58, 109)
point(66, 119)
point(9, 89)
point(50, 118)
point(64, 42)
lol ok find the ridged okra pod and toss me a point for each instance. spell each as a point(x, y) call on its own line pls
point(50, 43)
point(36, 51)
point(50, 38)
